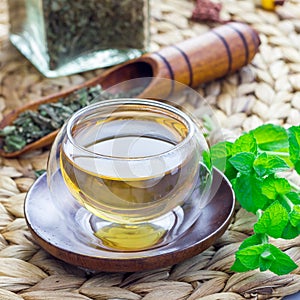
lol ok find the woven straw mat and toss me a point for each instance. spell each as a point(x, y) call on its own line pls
point(267, 90)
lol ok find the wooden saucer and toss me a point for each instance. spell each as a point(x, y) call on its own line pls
point(68, 243)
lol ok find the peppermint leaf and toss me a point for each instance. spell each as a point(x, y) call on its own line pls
point(265, 257)
point(245, 143)
point(273, 221)
point(266, 260)
point(255, 239)
point(248, 192)
point(220, 153)
point(239, 267)
point(243, 162)
point(272, 187)
point(293, 197)
point(288, 200)
point(207, 159)
point(295, 216)
point(266, 164)
point(250, 256)
point(294, 150)
point(271, 138)
point(252, 164)
point(282, 264)
point(290, 232)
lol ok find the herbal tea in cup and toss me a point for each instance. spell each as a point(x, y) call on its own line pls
point(133, 164)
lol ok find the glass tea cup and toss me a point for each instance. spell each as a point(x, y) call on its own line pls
point(136, 169)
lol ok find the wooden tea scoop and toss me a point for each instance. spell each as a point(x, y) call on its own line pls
point(210, 56)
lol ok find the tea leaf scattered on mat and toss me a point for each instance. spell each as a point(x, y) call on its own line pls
point(254, 164)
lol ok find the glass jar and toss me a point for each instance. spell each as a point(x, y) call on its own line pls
point(63, 37)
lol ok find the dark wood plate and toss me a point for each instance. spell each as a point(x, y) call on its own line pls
point(63, 238)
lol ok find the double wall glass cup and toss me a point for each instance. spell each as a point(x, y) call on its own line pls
point(137, 170)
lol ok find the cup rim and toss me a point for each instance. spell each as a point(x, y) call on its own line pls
point(188, 121)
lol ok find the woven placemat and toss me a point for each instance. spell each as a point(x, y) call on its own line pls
point(268, 90)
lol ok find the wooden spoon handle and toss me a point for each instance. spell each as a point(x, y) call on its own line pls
point(219, 52)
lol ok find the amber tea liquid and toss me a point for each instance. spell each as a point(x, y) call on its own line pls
point(131, 174)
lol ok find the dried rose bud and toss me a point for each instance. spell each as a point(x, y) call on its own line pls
point(206, 10)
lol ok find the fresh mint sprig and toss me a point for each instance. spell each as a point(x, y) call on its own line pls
point(254, 164)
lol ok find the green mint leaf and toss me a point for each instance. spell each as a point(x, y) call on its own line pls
point(294, 150)
point(250, 256)
point(295, 216)
point(207, 159)
point(293, 197)
point(245, 143)
point(243, 162)
point(266, 260)
point(251, 163)
point(264, 257)
point(255, 239)
point(273, 186)
point(266, 164)
point(273, 221)
point(230, 172)
point(271, 137)
point(282, 264)
point(220, 153)
point(288, 200)
point(239, 267)
point(247, 189)
point(290, 232)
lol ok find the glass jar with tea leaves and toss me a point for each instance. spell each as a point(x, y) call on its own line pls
point(63, 37)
